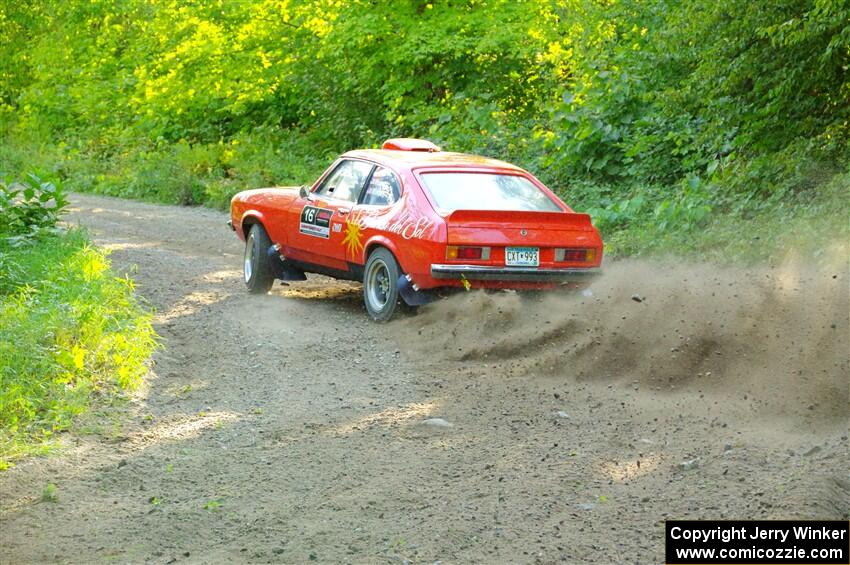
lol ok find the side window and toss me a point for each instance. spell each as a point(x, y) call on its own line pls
point(384, 188)
point(346, 181)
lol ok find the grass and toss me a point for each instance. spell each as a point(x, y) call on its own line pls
point(718, 222)
point(71, 335)
point(213, 506)
point(764, 237)
point(49, 493)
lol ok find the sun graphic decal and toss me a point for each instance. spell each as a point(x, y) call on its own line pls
point(353, 234)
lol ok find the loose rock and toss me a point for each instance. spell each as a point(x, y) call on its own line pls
point(689, 465)
point(436, 423)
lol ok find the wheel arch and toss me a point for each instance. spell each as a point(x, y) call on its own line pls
point(381, 241)
point(249, 218)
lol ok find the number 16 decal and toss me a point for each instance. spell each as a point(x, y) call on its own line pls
point(316, 221)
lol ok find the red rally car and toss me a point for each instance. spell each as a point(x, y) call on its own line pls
point(408, 219)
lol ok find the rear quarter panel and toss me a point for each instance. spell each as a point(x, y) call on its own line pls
point(410, 229)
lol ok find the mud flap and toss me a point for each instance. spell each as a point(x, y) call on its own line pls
point(282, 270)
point(410, 294)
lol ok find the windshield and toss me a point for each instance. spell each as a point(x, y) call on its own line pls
point(486, 191)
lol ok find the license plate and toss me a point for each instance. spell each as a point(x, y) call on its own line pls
point(522, 256)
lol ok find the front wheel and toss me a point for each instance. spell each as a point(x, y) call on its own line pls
point(257, 268)
point(380, 284)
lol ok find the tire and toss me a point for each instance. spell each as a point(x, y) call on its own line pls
point(380, 285)
point(257, 269)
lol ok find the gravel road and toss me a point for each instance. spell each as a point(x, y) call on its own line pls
point(289, 428)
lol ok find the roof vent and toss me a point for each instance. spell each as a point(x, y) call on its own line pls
point(410, 144)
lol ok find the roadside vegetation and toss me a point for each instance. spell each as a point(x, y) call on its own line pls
point(717, 129)
point(71, 333)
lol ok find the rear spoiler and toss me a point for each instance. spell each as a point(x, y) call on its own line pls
point(558, 220)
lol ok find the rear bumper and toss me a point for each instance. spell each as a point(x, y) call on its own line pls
point(525, 274)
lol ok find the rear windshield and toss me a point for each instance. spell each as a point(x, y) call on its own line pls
point(486, 191)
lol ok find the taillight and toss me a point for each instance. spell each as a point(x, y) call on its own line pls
point(463, 252)
point(575, 255)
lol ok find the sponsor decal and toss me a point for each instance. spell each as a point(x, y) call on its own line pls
point(353, 236)
point(337, 227)
point(407, 226)
point(410, 229)
point(316, 221)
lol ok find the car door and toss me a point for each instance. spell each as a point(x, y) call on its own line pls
point(319, 238)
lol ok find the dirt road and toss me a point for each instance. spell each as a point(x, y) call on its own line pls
point(288, 428)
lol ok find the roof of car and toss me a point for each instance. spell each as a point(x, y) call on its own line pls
point(418, 159)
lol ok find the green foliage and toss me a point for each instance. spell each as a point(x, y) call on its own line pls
point(213, 505)
point(677, 113)
point(70, 331)
point(29, 206)
point(49, 493)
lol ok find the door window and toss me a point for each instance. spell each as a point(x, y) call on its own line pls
point(346, 181)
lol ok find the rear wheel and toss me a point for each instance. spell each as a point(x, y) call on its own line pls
point(380, 285)
point(257, 268)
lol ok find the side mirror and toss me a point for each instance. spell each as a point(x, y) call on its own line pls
point(304, 192)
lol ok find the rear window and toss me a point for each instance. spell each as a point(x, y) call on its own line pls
point(486, 191)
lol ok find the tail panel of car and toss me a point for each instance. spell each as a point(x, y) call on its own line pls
point(551, 233)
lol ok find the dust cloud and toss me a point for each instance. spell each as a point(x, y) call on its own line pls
point(775, 337)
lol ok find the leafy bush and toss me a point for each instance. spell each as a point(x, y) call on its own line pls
point(29, 206)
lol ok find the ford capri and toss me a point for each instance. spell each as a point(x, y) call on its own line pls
point(409, 220)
